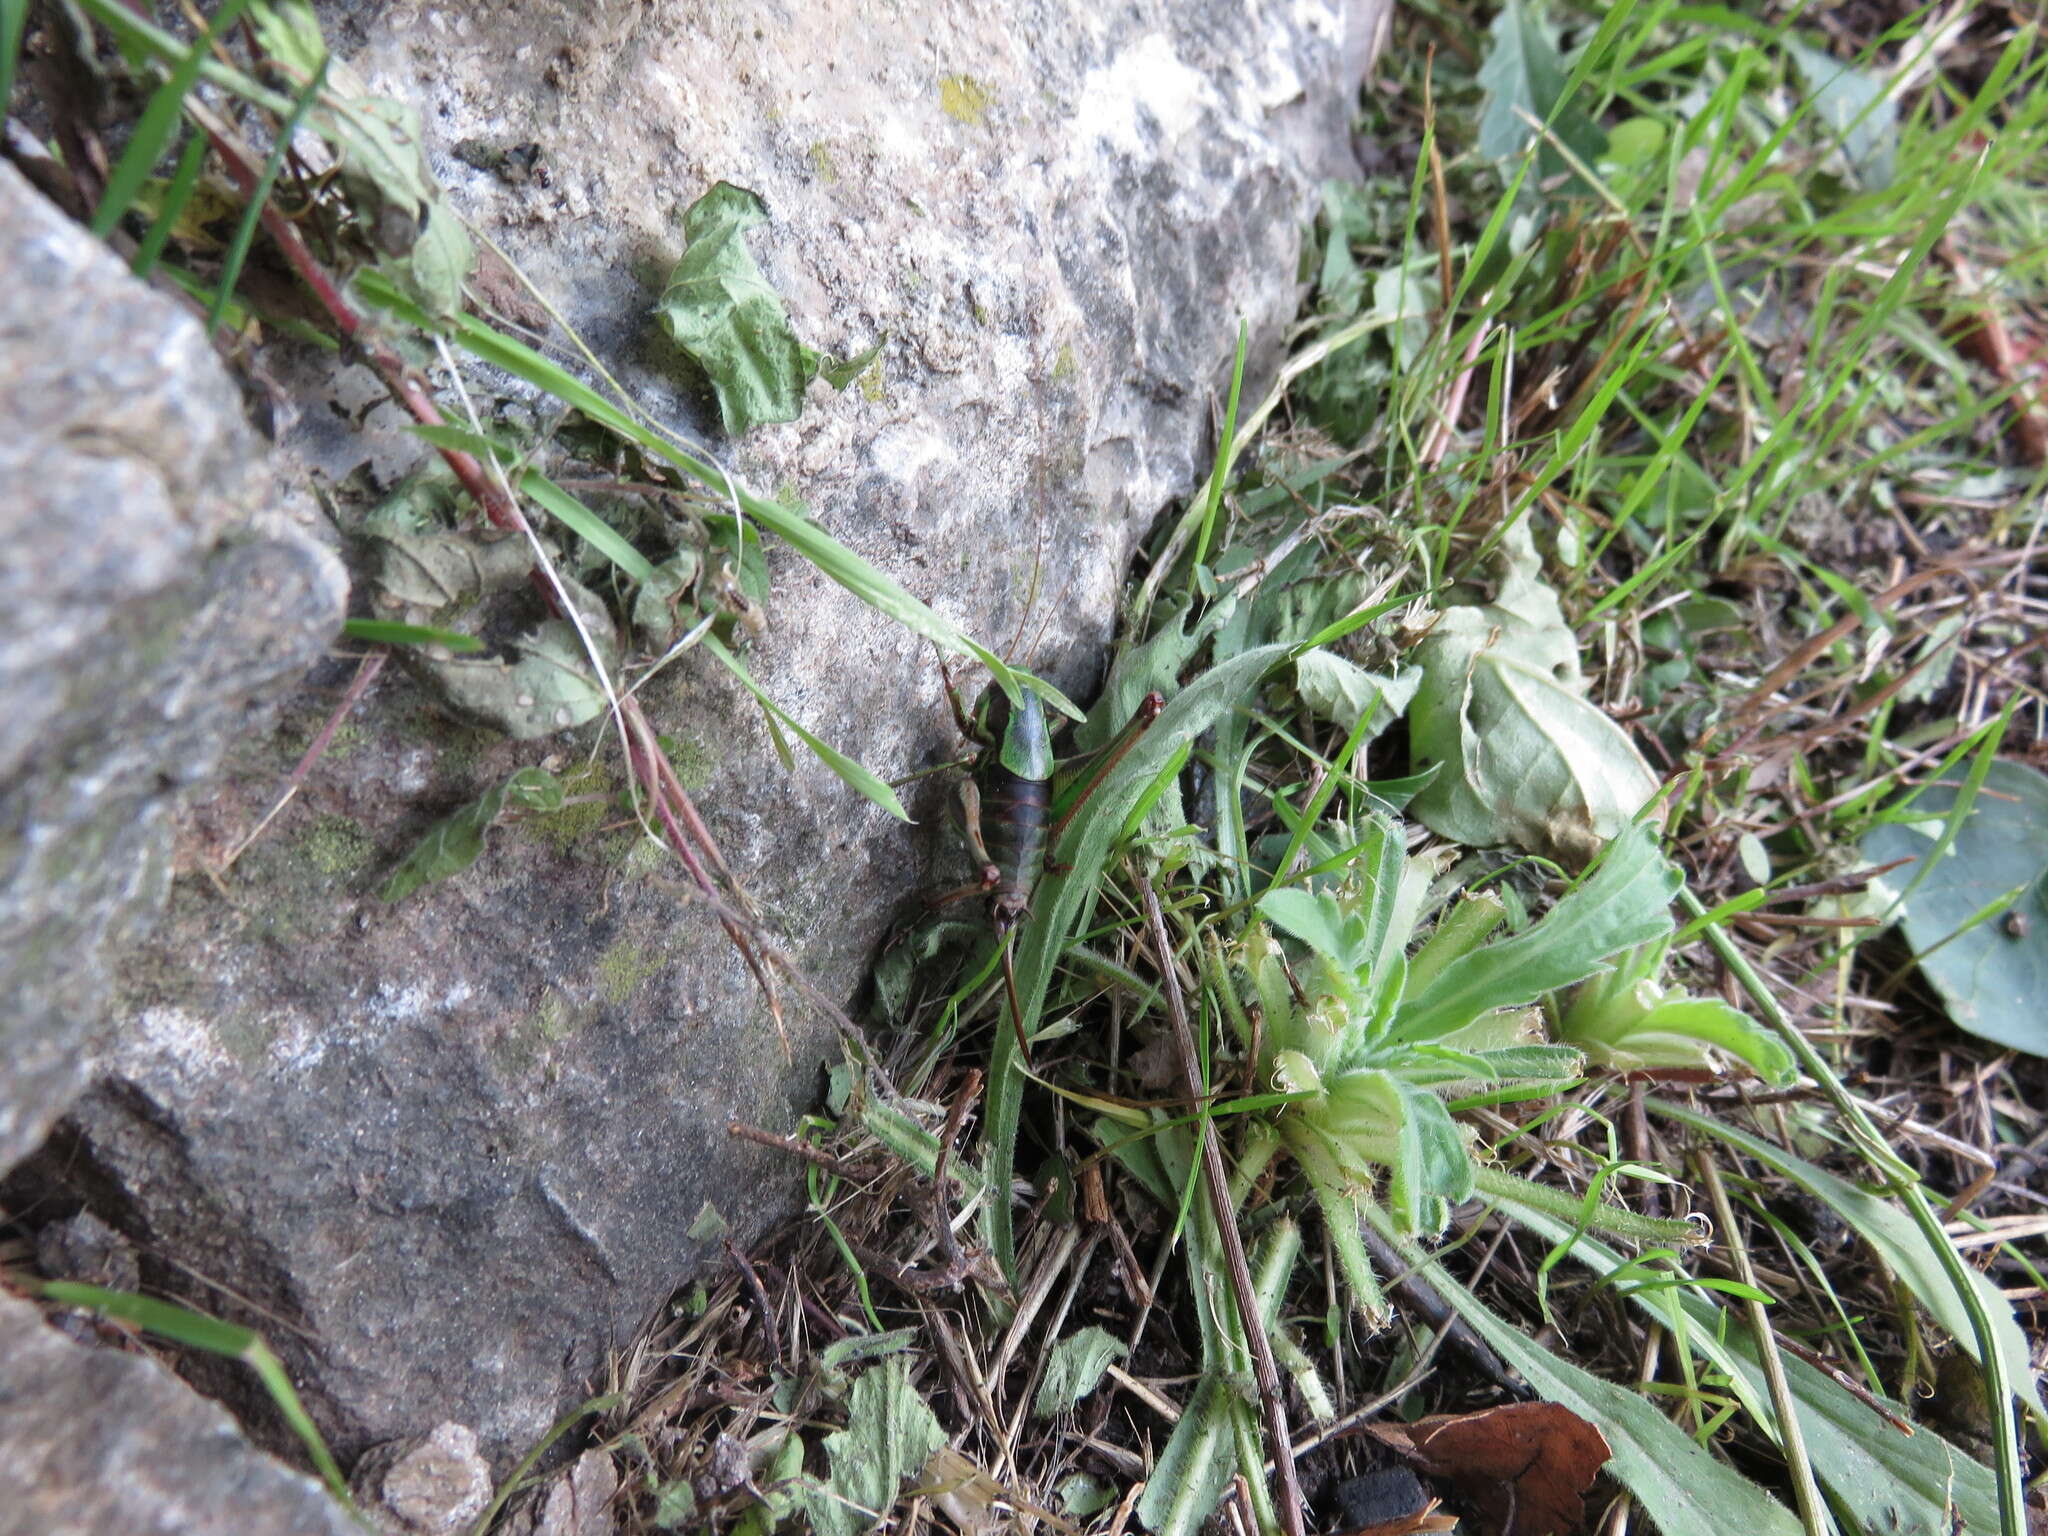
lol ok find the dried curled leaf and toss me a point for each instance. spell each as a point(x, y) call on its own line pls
point(1527, 759)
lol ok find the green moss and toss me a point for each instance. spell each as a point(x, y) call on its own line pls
point(573, 829)
point(691, 760)
point(622, 968)
point(336, 846)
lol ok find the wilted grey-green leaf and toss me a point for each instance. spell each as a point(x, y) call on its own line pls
point(1993, 975)
point(1074, 1369)
point(455, 842)
point(1526, 758)
point(433, 571)
point(548, 687)
point(721, 311)
point(1343, 693)
point(1856, 106)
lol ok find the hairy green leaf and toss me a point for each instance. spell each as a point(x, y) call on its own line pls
point(1074, 1369)
point(1623, 903)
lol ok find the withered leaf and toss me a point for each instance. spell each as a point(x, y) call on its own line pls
point(1522, 1468)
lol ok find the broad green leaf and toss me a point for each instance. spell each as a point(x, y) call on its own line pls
point(1989, 961)
point(455, 842)
point(1527, 758)
point(890, 1434)
point(721, 311)
point(1680, 1484)
point(1074, 1369)
point(1856, 106)
point(1344, 693)
point(1523, 73)
point(1623, 903)
point(1895, 1240)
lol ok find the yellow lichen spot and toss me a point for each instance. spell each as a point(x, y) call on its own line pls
point(1064, 365)
point(821, 162)
point(871, 383)
point(965, 99)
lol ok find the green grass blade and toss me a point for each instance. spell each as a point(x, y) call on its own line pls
point(159, 121)
point(196, 1330)
point(390, 632)
point(1060, 902)
point(191, 160)
point(245, 229)
point(856, 775)
point(871, 585)
point(592, 529)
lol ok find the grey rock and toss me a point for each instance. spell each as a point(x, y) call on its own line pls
point(577, 1503)
point(85, 1249)
point(452, 1149)
point(152, 589)
point(97, 1442)
point(434, 1484)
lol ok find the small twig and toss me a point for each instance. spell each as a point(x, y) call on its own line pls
point(817, 1156)
point(358, 686)
point(758, 1294)
point(1264, 1371)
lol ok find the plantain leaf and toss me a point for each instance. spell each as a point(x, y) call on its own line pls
point(1989, 965)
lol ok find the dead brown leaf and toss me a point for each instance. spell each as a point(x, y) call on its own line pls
point(1523, 1468)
